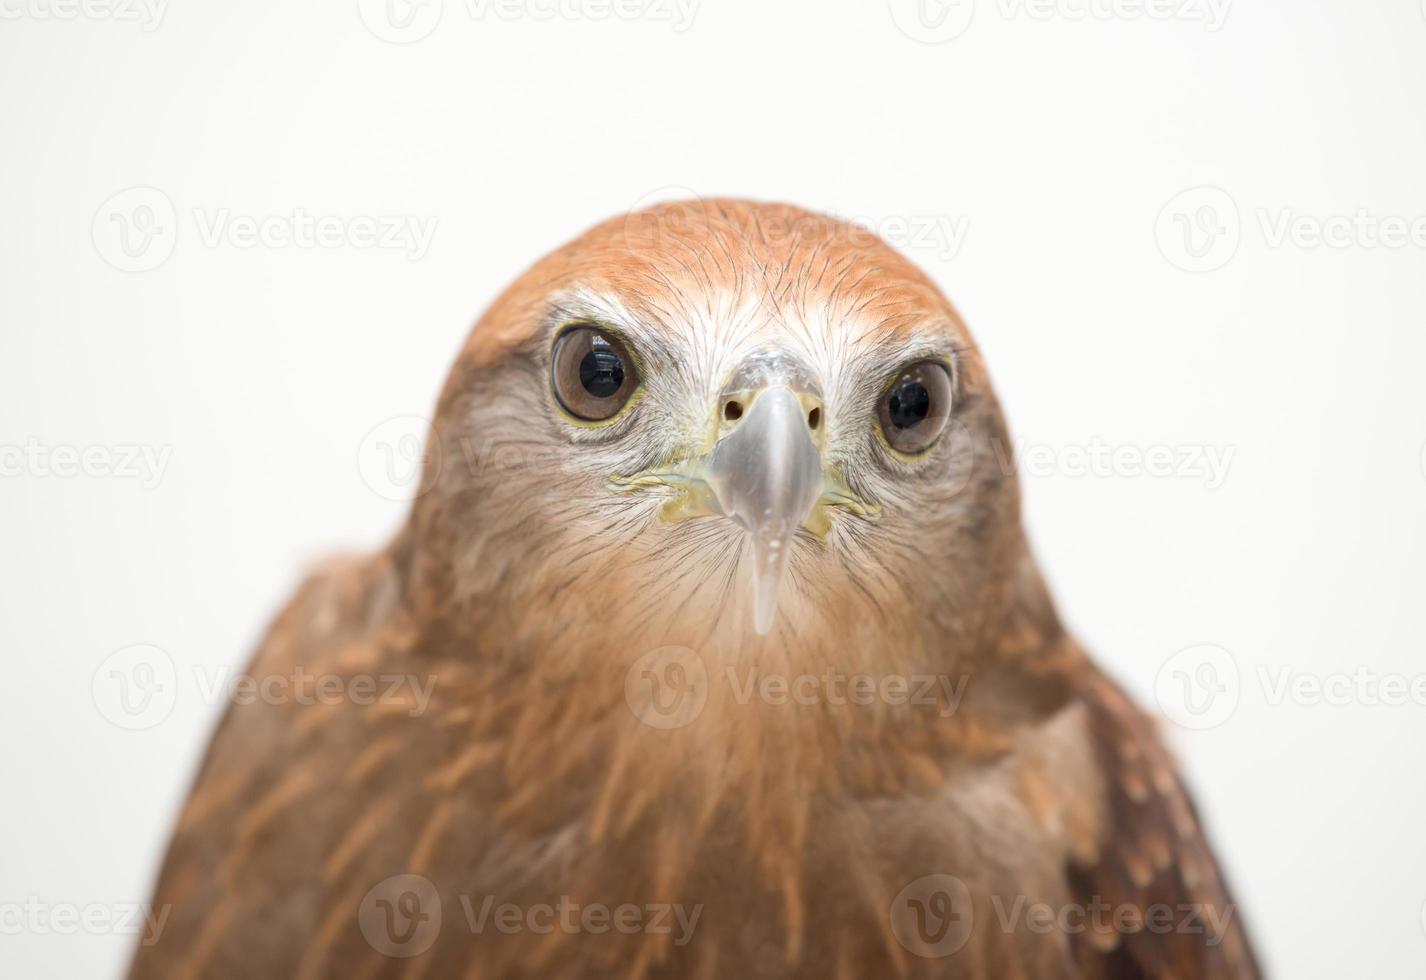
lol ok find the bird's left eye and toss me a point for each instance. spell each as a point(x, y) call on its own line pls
point(592, 373)
point(915, 407)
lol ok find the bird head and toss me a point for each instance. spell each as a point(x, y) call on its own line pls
point(719, 418)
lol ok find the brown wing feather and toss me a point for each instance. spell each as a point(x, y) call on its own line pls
point(1166, 909)
point(276, 844)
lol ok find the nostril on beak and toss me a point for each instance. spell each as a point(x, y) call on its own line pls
point(765, 473)
point(814, 419)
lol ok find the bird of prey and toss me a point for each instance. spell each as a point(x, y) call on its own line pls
point(712, 647)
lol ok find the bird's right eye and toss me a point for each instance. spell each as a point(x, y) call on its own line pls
point(592, 374)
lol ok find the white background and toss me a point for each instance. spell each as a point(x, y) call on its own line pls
point(1054, 139)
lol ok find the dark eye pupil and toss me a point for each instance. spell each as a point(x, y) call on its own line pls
point(601, 372)
point(909, 405)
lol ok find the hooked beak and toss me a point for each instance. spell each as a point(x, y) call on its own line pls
point(765, 473)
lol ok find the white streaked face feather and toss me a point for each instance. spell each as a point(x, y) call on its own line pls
point(686, 366)
point(553, 510)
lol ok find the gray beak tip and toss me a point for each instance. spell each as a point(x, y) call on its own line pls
point(767, 475)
